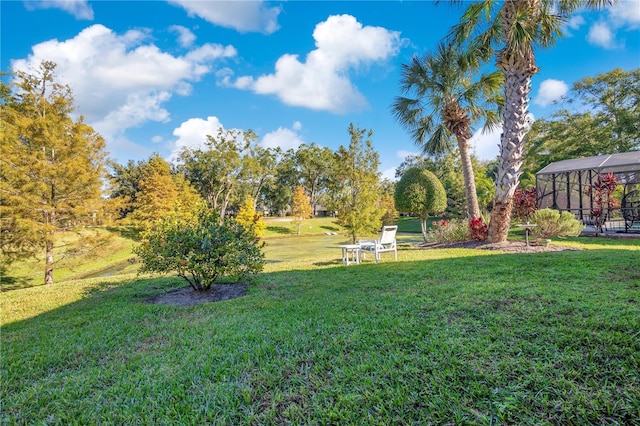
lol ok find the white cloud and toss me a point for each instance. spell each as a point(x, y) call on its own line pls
point(118, 81)
point(185, 36)
point(625, 13)
point(550, 91)
point(389, 174)
point(322, 81)
point(80, 9)
point(574, 23)
point(600, 34)
point(283, 137)
point(487, 145)
point(193, 134)
point(243, 16)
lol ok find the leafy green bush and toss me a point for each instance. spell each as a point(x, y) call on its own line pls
point(201, 250)
point(551, 223)
point(420, 192)
point(448, 231)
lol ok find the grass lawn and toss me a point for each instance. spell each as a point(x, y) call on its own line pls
point(454, 336)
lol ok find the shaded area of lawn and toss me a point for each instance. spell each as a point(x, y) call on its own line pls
point(460, 337)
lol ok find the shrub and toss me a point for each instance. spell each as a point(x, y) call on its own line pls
point(420, 192)
point(524, 203)
point(448, 231)
point(601, 191)
point(200, 250)
point(551, 223)
point(478, 229)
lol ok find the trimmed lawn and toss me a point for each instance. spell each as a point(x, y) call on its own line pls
point(453, 336)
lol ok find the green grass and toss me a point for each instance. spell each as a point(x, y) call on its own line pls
point(279, 227)
point(111, 255)
point(440, 337)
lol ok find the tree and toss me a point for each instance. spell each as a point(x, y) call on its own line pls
point(420, 192)
point(157, 192)
point(202, 250)
point(216, 171)
point(260, 168)
point(513, 29)
point(300, 206)
point(447, 169)
point(250, 219)
point(447, 102)
point(614, 97)
point(313, 165)
point(355, 186)
point(51, 166)
point(278, 192)
point(605, 121)
point(125, 185)
point(389, 211)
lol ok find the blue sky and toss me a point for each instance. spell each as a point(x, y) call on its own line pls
point(153, 76)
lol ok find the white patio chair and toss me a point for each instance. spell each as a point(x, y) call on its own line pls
point(386, 243)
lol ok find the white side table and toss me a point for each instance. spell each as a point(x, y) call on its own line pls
point(350, 253)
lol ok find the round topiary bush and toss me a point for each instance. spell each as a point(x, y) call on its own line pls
point(420, 192)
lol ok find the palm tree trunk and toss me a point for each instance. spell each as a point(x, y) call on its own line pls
point(473, 210)
point(518, 67)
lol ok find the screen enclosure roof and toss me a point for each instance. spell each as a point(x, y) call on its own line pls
point(615, 163)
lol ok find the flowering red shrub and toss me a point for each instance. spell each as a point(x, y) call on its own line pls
point(524, 203)
point(478, 230)
point(601, 191)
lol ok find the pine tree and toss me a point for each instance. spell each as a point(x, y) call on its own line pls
point(51, 166)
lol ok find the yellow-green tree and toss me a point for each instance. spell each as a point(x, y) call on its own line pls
point(161, 193)
point(300, 207)
point(157, 195)
point(50, 166)
point(250, 219)
point(388, 205)
point(355, 185)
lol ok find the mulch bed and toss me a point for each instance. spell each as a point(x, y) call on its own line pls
point(506, 246)
point(187, 296)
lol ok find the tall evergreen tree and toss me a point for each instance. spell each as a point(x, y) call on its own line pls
point(50, 166)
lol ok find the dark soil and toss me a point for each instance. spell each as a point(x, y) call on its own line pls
point(187, 296)
point(506, 246)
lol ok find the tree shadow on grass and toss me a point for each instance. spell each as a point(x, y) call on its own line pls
point(330, 228)
point(328, 263)
point(129, 232)
point(8, 283)
point(280, 230)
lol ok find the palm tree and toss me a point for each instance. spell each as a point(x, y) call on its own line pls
point(447, 102)
point(512, 29)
